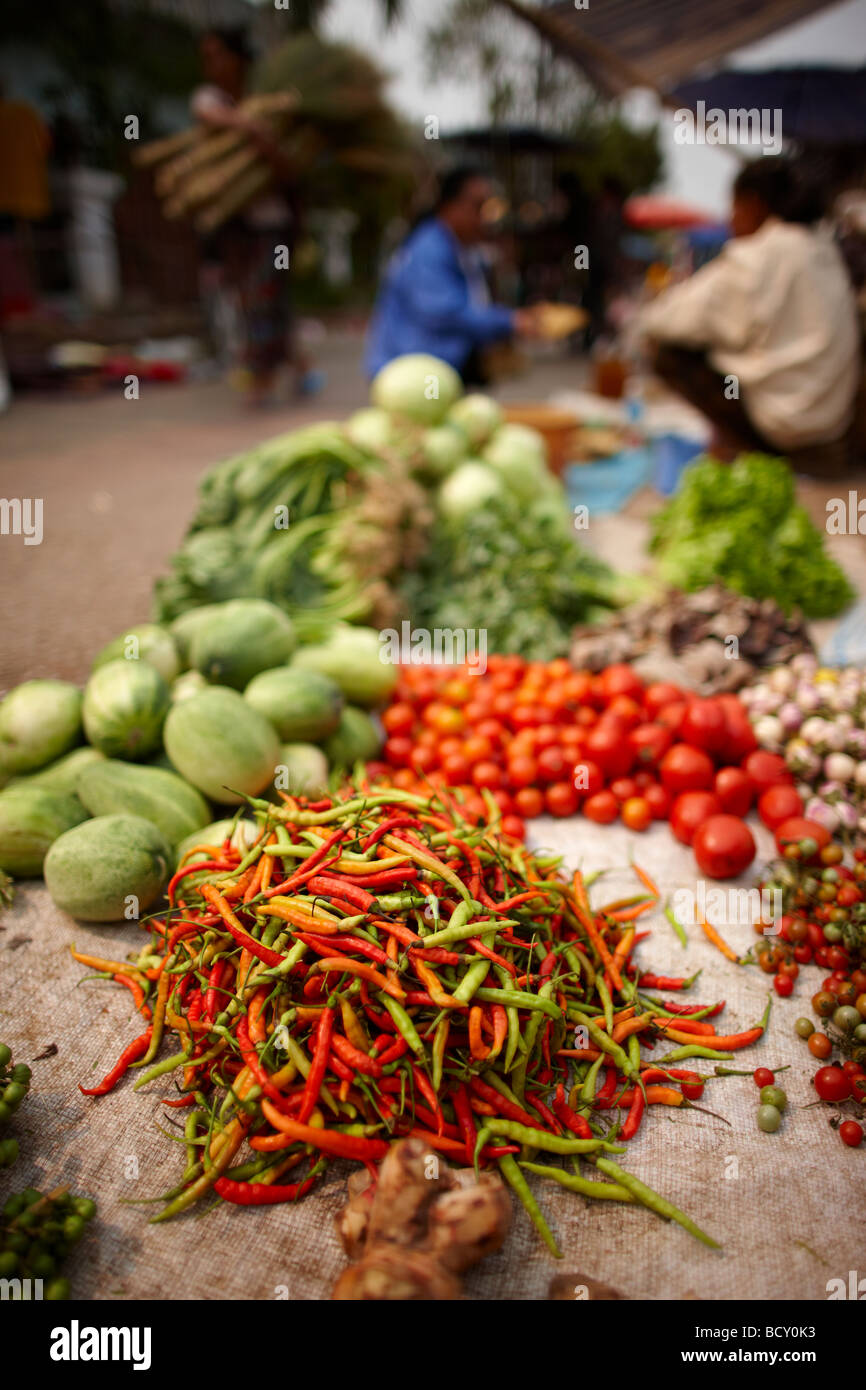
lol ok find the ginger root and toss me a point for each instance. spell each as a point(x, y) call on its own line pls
point(415, 1228)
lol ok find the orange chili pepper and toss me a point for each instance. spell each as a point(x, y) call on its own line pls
point(713, 935)
point(477, 1046)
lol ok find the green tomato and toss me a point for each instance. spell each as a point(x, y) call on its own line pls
point(804, 1027)
point(847, 1017)
point(832, 932)
point(860, 1032)
point(773, 1096)
point(769, 1118)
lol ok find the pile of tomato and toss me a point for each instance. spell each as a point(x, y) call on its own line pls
point(546, 738)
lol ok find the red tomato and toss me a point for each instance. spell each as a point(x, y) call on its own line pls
point(704, 725)
point(832, 1084)
point(399, 718)
point(686, 769)
point(658, 798)
point(456, 769)
point(477, 749)
point(503, 800)
point(723, 846)
point(799, 828)
point(777, 804)
point(740, 736)
point(457, 691)
point(767, 770)
point(578, 687)
point(398, 750)
point(625, 708)
point(546, 735)
point(620, 679)
point(649, 743)
point(526, 716)
point(404, 778)
point(513, 827)
point(487, 774)
point(734, 789)
point(783, 985)
point(623, 788)
point(551, 764)
point(522, 770)
point(423, 758)
point(607, 745)
point(587, 777)
point(659, 694)
point(689, 811)
point(492, 729)
point(529, 802)
point(672, 715)
point(500, 707)
point(447, 746)
point(601, 808)
point(561, 799)
point(477, 710)
point(636, 813)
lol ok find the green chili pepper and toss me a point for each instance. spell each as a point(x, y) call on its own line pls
point(440, 1039)
point(405, 1026)
point(677, 926)
point(606, 1044)
point(680, 1054)
point(575, 1183)
point(538, 1003)
point(654, 1201)
point(540, 1139)
point(472, 980)
point(485, 927)
point(517, 1182)
point(606, 1003)
point(587, 1090)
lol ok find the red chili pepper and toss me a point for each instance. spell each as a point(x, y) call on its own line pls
point(136, 990)
point(424, 1086)
point(550, 1121)
point(354, 1057)
point(463, 1111)
point(309, 866)
point(606, 1091)
point(326, 946)
point(209, 865)
point(386, 827)
point(437, 955)
point(323, 883)
point(130, 1054)
point(260, 1194)
point(243, 938)
point(218, 972)
point(647, 981)
point(251, 1060)
point(501, 1104)
point(320, 1064)
point(398, 1047)
point(564, 1113)
point(634, 1116)
point(686, 1009)
point(181, 1101)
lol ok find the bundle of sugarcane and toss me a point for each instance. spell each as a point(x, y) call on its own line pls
point(324, 107)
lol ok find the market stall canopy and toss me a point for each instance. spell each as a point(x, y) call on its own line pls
point(650, 212)
point(821, 106)
point(656, 43)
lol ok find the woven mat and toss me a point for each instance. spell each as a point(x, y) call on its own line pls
point(781, 1204)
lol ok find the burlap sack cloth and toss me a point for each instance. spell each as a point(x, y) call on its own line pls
point(787, 1207)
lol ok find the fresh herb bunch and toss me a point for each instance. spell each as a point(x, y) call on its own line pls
point(516, 572)
point(740, 524)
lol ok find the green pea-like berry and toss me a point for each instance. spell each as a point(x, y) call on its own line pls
point(84, 1207)
point(804, 1027)
point(5, 1055)
point(57, 1291)
point(769, 1118)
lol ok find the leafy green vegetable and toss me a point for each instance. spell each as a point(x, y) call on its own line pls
point(741, 525)
point(516, 572)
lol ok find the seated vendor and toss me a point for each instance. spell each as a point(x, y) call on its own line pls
point(764, 339)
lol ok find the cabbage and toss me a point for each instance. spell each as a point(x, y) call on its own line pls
point(479, 416)
point(443, 447)
point(469, 487)
point(519, 455)
point(417, 386)
point(370, 428)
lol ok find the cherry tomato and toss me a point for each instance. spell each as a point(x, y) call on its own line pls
point(398, 718)
point(820, 1045)
point(723, 846)
point(529, 802)
point(546, 735)
point(606, 744)
point(831, 1083)
point(762, 1076)
point(690, 810)
point(487, 774)
point(503, 800)
point(490, 729)
point(578, 687)
point(561, 799)
point(659, 694)
point(405, 779)
point(636, 813)
point(457, 691)
point(522, 770)
point(587, 777)
point(526, 716)
point(777, 804)
point(623, 788)
point(625, 708)
point(456, 769)
point(513, 827)
point(672, 715)
point(620, 679)
point(686, 769)
point(802, 953)
point(649, 743)
point(477, 749)
point(767, 770)
point(601, 808)
point(740, 737)
point(783, 985)
point(423, 758)
point(692, 1090)
point(734, 789)
point(851, 1133)
point(847, 895)
point(797, 828)
point(658, 798)
point(552, 765)
point(398, 750)
point(704, 725)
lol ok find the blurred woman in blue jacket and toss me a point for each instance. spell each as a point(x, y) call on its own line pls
point(434, 296)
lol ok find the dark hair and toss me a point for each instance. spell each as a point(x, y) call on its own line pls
point(783, 188)
point(452, 184)
point(233, 37)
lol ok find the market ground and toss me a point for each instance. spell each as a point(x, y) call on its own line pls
point(118, 481)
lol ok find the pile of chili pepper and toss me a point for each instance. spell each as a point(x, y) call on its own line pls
point(377, 966)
